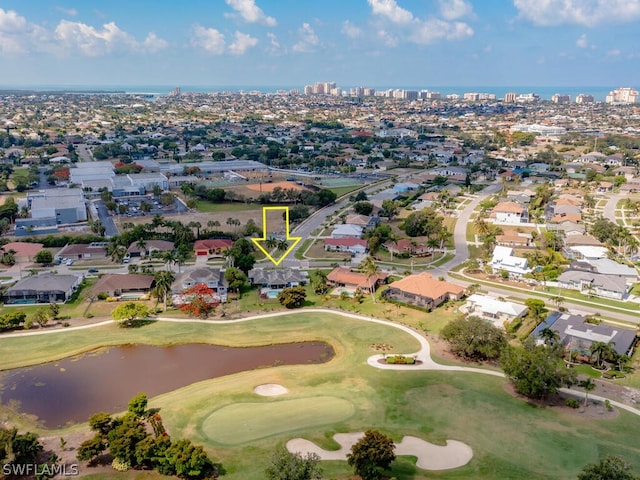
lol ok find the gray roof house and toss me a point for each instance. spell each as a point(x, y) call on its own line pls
point(213, 278)
point(277, 279)
point(44, 288)
point(577, 335)
point(608, 286)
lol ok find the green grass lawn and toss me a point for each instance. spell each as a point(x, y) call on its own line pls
point(510, 438)
point(208, 207)
point(340, 191)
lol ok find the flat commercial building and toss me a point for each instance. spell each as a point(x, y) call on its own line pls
point(57, 206)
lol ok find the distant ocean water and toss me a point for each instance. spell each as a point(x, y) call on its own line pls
point(546, 92)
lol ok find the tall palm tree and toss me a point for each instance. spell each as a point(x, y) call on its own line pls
point(283, 245)
point(443, 236)
point(164, 279)
point(142, 246)
point(433, 243)
point(370, 269)
point(169, 258)
point(588, 385)
point(481, 225)
point(599, 349)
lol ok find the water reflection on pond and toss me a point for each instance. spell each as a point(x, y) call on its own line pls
point(73, 389)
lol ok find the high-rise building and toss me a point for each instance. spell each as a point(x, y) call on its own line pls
point(623, 95)
point(584, 98)
point(510, 97)
point(558, 98)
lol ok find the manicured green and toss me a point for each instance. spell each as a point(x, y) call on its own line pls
point(240, 423)
point(510, 438)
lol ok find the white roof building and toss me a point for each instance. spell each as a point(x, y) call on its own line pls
point(498, 311)
point(504, 259)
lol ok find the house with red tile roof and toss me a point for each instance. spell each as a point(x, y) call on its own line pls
point(215, 246)
point(424, 291)
point(343, 277)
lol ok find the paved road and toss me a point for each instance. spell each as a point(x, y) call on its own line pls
point(84, 153)
point(110, 229)
point(460, 230)
point(610, 207)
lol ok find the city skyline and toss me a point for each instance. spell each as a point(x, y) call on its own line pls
point(363, 42)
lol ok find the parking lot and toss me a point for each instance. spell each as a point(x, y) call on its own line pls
point(147, 205)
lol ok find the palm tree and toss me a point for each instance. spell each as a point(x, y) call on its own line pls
point(588, 385)
point(213, 223)
point(549, 336)
point(481, 225)
point(558, 300)
point(433, 243)
point(169, 258)
point(283, 245)
point(164, 280)
point(271, 242)
point(443, 235)
point(599, 349)
point(370, 269)
point(142, 246)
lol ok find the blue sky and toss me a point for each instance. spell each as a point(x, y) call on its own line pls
point(298, 42)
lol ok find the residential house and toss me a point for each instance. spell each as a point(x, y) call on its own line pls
point(504, 260)
point(214, 246)
point(80, 251)
point(422, 290)
point(23, 251)
point(492, 309)
point(407, 247)
point(150, 246)
point(576, 335)
point(607, 286)
point(343, 277)
point(510, 213)
point(43, 288)
point(354, 246)
point(514, 239)
point(213, 278)
point(347, 231)
point(123, 284)
point(276, 280)
point(364, 221)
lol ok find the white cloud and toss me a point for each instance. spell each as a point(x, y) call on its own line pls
point(402, 25)
point(578, 12)
point(387, 38)
point(18, 36)
point(250, 12)
point(582, 41)
point(433, 29)
point(351, 30)
point(241, 43)
point(92, 42)
point(153, 44)
point(72, 12)
point(454, 9)
point(208, 39)
point(308, 39)
point(390, 10)
point(614, 53)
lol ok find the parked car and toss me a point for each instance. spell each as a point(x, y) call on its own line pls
point(92, 270)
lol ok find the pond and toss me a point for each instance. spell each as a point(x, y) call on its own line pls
point(71, 390)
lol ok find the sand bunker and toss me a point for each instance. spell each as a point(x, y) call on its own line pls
point(270, 390)
point(430, 457)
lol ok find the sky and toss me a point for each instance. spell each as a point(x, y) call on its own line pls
point(299, 42)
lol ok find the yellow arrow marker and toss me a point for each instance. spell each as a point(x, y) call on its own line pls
point(259, 241)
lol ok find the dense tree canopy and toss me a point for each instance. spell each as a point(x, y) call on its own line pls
point(372, 455)
point(536, 370)
point(127, 313)
point(609, 468)
point(425, 222)
point(285, 465)
point(474, 338)
point(292, 297)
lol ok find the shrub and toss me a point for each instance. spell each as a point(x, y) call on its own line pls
point(66, 324)
point(607, 405)
point(572, 402)
point(400, 360)
point(120, 465)
point(102, 296)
